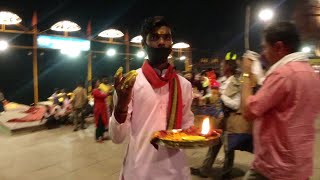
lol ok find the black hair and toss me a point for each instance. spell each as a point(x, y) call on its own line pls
point(285, 32)
point(94, 82)
point(203, 73)
point(150, 24)
point(104, 76)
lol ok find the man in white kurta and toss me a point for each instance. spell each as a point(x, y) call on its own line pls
point(147, 113)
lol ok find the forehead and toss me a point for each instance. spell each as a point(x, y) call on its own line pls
point(162, 30)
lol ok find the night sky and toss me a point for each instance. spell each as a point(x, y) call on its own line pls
point(212, 28)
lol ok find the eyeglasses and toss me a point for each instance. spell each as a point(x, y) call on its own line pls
point(156, 37)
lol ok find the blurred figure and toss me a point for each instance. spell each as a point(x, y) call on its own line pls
point(2, 99)
point(189, 76)
point(66, 109)
point(205, 83)
point(284, 109)
point(79, 101)
point(197, 82)
point(100, 110)
point(106, 88)
point(51, 118)
point(55, 96)
point(212, 78)
point(61, 95)
point(237, 131)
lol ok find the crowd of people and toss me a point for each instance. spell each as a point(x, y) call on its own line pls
point(221, 101)
point(73, 108)
point(271, 116)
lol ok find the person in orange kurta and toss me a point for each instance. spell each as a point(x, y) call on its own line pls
point(99, 111)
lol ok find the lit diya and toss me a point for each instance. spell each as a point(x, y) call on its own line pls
point(192, 137)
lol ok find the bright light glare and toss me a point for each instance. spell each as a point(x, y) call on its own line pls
point(141, 54)
point(137, 39)
point(205, 126)
point(183, 58)
point(180, 45)
point(66, 26)
point(306, 49)
point(70, 52)
point(3, 45)
point(54, 42)
point(111, 33)
point(111, 52)
point(9, 18)
point(266, 14)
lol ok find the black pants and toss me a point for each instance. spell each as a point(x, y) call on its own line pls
point(100, 129)
point(211, 156)
point(231, 142)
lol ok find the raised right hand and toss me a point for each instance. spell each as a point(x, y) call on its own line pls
point(123, 86)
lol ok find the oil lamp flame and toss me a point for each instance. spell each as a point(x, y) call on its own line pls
point(205, 126)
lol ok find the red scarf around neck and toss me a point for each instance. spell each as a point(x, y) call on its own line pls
point(174, 116)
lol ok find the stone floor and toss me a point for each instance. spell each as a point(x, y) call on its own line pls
point(66, 155)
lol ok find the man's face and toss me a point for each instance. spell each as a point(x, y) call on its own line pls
point(224, 68)
point(160, 37)
point(97, 83)
point(269, 52)
point(105, 80)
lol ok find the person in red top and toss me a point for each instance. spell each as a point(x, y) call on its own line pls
point(99, 111)
point(284, 109)
point(212, 78)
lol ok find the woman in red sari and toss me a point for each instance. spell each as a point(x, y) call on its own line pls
point(99, 111)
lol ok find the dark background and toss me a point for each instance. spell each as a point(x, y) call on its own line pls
point(211, 27)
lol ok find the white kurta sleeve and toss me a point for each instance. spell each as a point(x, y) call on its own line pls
point(187, 114)
point(118, 132)
point(232, 103)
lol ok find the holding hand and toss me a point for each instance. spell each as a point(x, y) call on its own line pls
point(248, 58)
point(247, 65)
point(123, 86)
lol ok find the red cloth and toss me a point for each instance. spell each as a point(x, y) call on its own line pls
point(213, 79)
point(100, 107)
point(34, 114)
point(32, 110)
point(215, 84)
point(172, 78)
